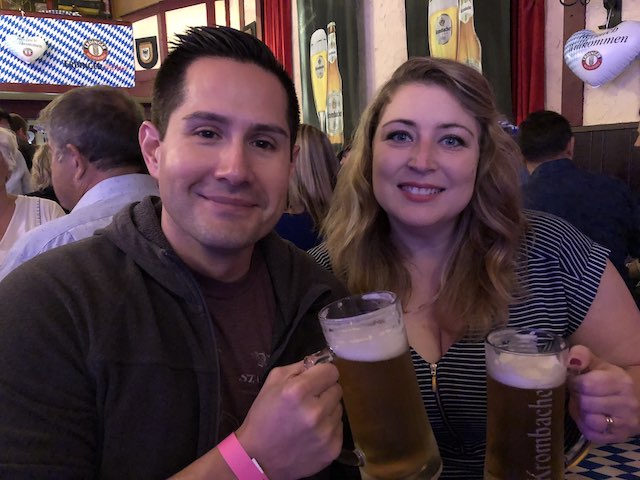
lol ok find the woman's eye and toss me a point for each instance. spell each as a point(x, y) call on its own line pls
point(399, 136)
point(453, 141)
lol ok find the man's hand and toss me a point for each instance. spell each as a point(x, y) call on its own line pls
point(294, 427)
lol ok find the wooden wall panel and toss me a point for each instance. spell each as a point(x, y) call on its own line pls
point(609, 149)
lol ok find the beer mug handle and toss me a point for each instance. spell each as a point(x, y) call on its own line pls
point(577, 453)
point(351, 458)
point(323, 356)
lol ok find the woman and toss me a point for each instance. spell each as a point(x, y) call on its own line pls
point(41, 174)
point(18, 213)
point(429, 206)
point(310, 188)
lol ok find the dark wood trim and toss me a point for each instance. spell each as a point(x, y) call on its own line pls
point(211, 12)
point(34, 88)
point(163, 41)
point(227, 12)
point(572, 86)
point(259, 19)
point(65, 17)
point(610, 126)
point(241, 12)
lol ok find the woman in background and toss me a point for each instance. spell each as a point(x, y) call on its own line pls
point(41, 174)
point(428, 206)
point(310, 188)
point(18, 213)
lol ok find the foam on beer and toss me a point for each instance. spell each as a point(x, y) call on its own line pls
point(368, 345)
point(525, 371)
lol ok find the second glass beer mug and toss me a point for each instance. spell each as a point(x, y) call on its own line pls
point(390, 427)
point(526, 373)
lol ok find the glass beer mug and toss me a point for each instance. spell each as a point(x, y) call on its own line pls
point(526, 375)
point(368, 344)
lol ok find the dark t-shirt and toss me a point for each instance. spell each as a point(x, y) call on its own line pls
point(242, 314)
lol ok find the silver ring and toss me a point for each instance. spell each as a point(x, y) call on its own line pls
point(610, 422)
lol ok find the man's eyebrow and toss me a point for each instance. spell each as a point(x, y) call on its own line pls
point(215, 117)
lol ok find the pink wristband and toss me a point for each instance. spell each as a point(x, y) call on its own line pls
point(243, 466)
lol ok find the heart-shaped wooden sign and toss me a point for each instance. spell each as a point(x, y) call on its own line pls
point(599, 58)
point(27, 49)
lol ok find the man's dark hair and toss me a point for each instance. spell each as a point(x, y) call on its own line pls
point(544, 134)
point(4, 115)
point(223, 42)
point(101, 122)
point(17, 123)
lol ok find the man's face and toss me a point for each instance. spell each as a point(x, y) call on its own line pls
point(223, 166)
point(62, 175)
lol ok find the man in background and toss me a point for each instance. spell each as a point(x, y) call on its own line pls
point(601, 207)
point(20, 128)
point(171, 342)
point(96, 166)
point(19, 181)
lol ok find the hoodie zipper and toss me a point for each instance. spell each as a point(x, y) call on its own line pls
point(433, 367)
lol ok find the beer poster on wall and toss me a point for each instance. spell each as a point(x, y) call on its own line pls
point(328, 32)
point(477, 33)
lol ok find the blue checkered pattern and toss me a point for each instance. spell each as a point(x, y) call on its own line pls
point(64, 40)
point(618, 461)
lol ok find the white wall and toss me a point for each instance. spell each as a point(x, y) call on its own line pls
point(385, 34)
point(617, 101)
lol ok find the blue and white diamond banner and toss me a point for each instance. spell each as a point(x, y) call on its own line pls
point(56, 51)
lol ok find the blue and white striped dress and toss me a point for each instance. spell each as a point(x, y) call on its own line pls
point(561, 272)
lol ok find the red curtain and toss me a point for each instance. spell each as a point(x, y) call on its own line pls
point(276, 22)
point(527, 57)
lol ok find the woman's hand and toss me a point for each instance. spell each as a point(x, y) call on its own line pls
point(602, 398)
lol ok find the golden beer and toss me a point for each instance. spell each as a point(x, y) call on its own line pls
point(335, 105)
point(443, 28)
point(469, 47)
point(318, 66)
point(525, 406)
point(387, 417)
point(380, 390)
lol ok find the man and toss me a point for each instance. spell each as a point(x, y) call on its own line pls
point(157, 339)
point(19, 181)
point(96, 166)
point(601, 207)
point(20, 128)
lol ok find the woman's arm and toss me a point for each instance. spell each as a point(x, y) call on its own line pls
point(609, 383)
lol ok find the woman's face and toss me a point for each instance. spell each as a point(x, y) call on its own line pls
point(425, 158)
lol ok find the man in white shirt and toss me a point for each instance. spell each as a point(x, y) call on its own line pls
point(96, 167)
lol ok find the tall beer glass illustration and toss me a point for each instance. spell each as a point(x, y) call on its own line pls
point(443, 28)
point(469, 48)
point(526, 373)
point(335, 108)
point(380, 390)
point(318, 65)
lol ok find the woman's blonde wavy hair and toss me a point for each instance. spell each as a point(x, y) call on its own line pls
point(41, 168)
point(314, 178)
point(479, 279)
